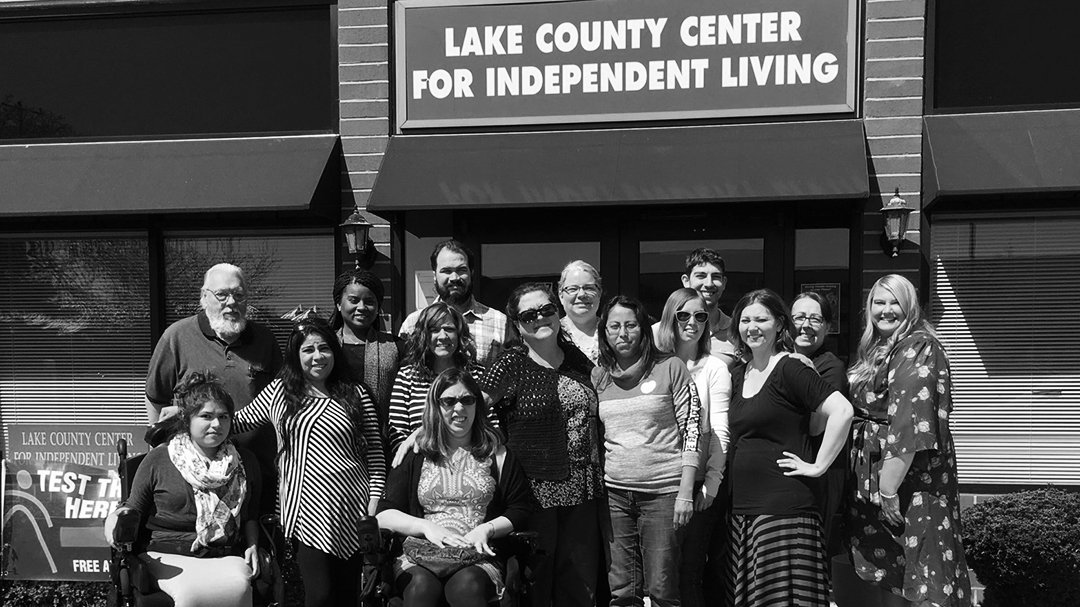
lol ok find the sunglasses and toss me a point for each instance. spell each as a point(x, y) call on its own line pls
point(683, 316)
point(450, 402)
point(544, 311)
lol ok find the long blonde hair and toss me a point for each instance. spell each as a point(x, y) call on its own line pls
point(873, 349)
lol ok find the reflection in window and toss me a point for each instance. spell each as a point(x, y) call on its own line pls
point(167, 73)
point(663, 262)
point(74, 329)
point(505, 266)
point(285, 274)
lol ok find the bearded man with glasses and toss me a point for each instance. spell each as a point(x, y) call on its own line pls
point(243, 355)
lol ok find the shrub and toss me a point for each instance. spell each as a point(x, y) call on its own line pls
point(53, 594)
point(1025, 547)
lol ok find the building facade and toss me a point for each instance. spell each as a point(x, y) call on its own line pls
point(223, 135)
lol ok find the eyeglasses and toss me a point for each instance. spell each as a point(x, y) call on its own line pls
point(616, 328)
point(238, 295)
point(449, 402)
point(814, 320)
point(684, 316)
point(544, 311)
point(574, 289)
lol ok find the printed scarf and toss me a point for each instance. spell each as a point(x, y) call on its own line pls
point(219, 485)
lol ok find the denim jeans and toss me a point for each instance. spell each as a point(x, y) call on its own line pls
point(644, 549)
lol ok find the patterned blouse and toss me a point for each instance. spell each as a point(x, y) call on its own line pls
point(455, 494)
point(324, 484)
point(551, 419)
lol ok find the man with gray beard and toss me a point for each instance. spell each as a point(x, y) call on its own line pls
point(243, 355)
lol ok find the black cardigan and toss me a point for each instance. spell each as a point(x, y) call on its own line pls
point(513, 495)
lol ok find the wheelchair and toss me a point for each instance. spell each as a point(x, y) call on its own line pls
point(380, 547)
point(132, 585)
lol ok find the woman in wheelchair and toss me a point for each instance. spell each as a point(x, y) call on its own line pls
point(197, 498)
point(452, 499)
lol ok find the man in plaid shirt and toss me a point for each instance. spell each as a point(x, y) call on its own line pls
point(453, 265)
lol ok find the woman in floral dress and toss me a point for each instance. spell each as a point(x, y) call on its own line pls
point(904, 514)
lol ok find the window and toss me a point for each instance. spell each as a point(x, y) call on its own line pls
point(75, 337)
point(997, 54)
point(168, 73)
point(505, 266)
point(663, 262)
point(287, 274)
point(1003, 290)
point(74, 329)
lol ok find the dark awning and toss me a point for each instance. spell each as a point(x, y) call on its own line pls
point(136, 177)
point(779, 161)
point(1001, 153)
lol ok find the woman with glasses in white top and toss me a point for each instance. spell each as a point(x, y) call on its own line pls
point(579, 292)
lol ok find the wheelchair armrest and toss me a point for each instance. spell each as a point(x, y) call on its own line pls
point(127, 527)
point(531, 539)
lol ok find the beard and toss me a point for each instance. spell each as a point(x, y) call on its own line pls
point(225, 328)
point(454, 298)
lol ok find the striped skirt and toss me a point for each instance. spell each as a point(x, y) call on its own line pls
point(777, 560)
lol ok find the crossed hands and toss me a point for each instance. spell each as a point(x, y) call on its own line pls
point(478, 539)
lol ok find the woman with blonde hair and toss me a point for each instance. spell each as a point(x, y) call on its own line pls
point(904, 508)
point(683, 331)
point(579, 293)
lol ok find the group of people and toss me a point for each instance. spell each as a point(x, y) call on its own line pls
point(702, 459)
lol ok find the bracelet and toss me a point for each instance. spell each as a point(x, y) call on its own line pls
point(684, 499)
point(493, 529)
point(886, 497)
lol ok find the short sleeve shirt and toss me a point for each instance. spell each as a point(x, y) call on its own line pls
point(763, 427)
point(245, 366)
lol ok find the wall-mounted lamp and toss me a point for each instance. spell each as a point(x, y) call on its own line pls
point(896, 213)
point(356, 230)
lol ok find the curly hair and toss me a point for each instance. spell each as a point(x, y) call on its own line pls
point(418, 344)
point(433, 439)
point(191, 394)
point(339, 384)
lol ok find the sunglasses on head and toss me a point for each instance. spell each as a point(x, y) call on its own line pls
point(535, 314)
point(683, 316)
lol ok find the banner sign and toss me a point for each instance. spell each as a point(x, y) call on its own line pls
point(59, 486)
point(474, 63)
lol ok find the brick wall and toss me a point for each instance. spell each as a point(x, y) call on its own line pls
point(893, 104)
point(364, 118)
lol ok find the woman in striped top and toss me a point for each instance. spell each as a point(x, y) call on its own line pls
point(331, 467)
point(441, 341)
